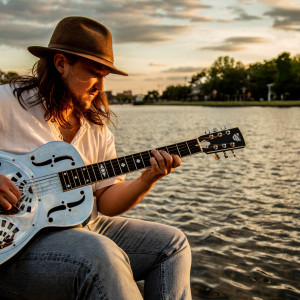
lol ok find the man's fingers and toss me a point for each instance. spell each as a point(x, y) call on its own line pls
point(168, 160)
point(14, 190)
point(9, 194)
point(5, 203)
point(176, 161)
point(164, 161)
point(157, 162)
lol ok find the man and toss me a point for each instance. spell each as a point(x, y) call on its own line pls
point(64, 100)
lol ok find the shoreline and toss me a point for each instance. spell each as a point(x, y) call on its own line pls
point(274, 103)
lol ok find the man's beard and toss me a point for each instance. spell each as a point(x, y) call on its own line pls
point(79, 104)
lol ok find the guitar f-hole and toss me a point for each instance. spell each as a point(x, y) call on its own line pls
point(62, 207)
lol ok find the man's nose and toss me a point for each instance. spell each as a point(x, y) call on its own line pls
point(100, 84)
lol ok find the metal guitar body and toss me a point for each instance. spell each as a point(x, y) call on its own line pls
point(43, 202)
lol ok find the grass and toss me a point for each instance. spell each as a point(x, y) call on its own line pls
point(276, 103)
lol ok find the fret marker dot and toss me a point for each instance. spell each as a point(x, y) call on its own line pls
point(75, 177)
point(123, 165)
point(68, 185)
point(138, 161)
point(87, 180)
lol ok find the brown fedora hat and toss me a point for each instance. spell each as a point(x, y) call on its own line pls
point(82, 37)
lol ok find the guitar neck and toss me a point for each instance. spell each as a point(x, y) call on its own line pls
point(74, 178)
point(209, 143)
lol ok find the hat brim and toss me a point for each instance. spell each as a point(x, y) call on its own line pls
point(44, 51)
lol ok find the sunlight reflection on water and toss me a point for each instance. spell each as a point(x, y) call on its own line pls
point(241, 215)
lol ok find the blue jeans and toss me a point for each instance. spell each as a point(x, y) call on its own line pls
point(103, 260)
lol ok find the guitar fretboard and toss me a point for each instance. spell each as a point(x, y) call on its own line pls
point(77, 177)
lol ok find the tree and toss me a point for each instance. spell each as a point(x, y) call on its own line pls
point(260, 75)
point(177, 93)
point(225, 77)
point(6, 77)
point(198, 78)
point(287, 82)
point(152, 96)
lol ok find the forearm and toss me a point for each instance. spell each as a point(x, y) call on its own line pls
point(121, 197)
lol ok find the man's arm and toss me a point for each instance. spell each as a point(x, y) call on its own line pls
point(118, 198)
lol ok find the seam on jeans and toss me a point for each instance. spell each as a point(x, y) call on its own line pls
point(163, 280)
point(66, 258)
point(173, 253)
point(167, 254)
point(141, 252)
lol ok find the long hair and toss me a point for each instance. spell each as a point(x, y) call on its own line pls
point(52, 92)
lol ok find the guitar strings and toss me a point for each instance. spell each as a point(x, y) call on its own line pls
point(54, 175)
point(182, 148)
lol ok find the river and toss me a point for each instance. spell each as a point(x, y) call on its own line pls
point(241, 214)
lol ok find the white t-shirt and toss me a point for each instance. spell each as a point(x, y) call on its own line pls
point(22, 131)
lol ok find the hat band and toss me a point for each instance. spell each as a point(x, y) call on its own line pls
point(75, 50)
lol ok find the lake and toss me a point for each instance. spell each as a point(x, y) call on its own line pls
point(241, 214)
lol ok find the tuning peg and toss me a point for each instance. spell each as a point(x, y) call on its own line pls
point(225, 154)
point(217, 157)
point(223, 127)
point(215, 130)
point(233, 153)
point(207, 131)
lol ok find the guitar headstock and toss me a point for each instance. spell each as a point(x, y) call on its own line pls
point(222, 141)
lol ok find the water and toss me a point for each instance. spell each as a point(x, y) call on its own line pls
point(241, 215)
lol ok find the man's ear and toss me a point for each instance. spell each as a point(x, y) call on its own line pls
point(60, 62)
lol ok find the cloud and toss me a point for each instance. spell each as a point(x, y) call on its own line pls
point(155, 64)
point(177, 78)
point(19, 36)
point(248, 1)
point(188, 69)
point(148, 33)
point(285, 18)
point(242, 15)
point(235, 43)
point(154, 79)
point(133, 21)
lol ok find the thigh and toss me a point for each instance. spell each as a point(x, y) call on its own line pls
point(147, 244)
point(56, 263)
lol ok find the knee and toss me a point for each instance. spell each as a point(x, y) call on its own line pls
point(101, 252)
point(178, 242)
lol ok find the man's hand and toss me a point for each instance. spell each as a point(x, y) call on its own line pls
point(9, 194)
point(161, 164)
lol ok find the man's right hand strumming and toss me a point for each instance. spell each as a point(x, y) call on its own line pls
point(9, 194)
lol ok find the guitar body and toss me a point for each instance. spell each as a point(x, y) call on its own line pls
point(43, 202)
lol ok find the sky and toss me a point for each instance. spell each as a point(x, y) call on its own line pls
point(157, 42)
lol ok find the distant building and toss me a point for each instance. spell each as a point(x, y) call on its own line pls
point(125, 97)
point(127, 93)
point(195, 94)
point(271, 94)
point(139, 98)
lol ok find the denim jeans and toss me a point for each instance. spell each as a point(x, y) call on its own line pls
point(103, 260)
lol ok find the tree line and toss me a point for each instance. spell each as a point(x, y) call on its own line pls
point(227, 79)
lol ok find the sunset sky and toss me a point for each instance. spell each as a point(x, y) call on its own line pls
point(158, 42)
